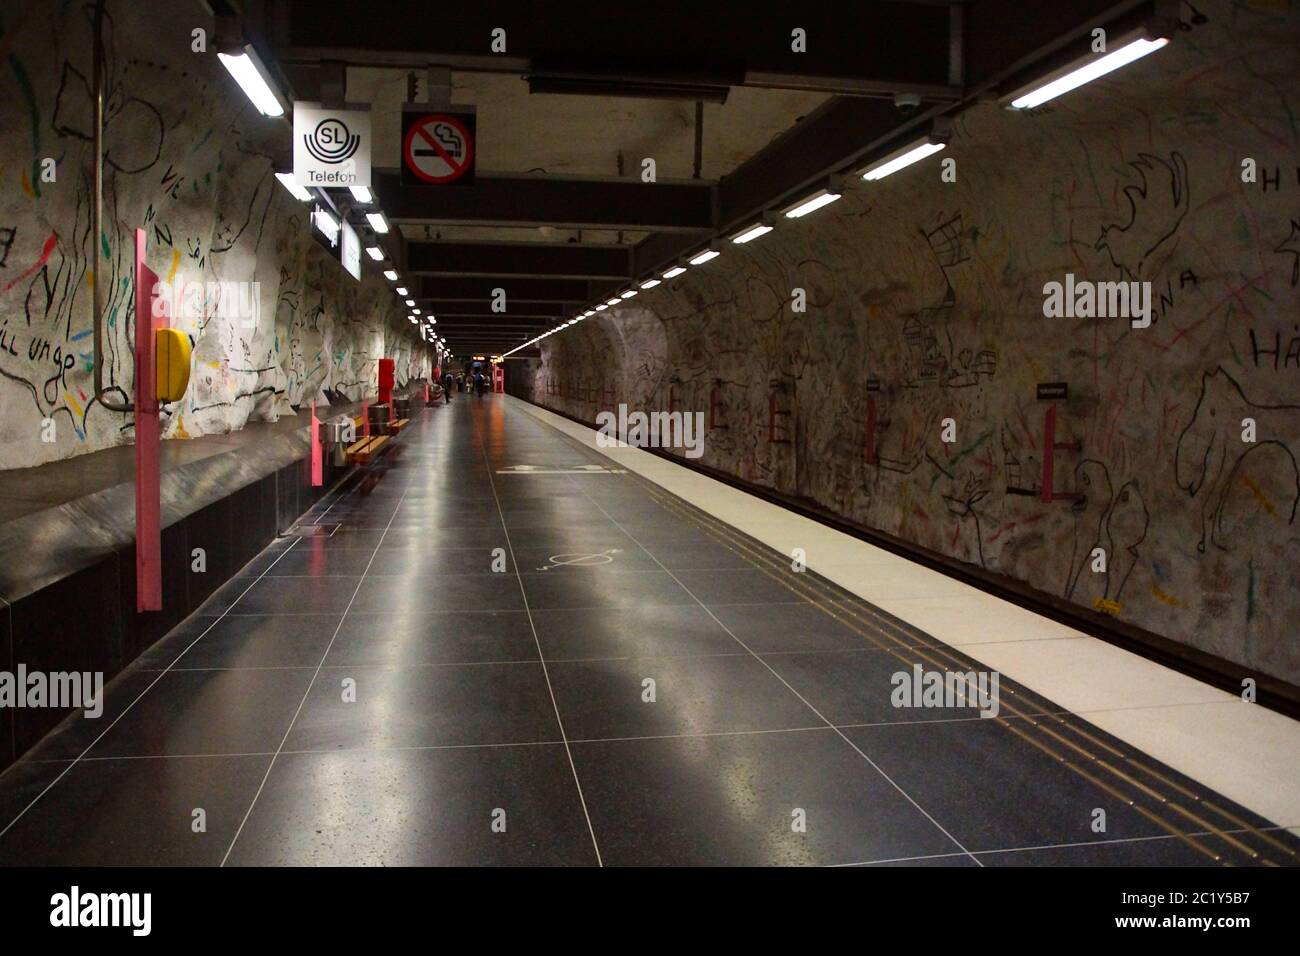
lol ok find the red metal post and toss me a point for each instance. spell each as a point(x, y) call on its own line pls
point(869, 448)
point(1049, 452)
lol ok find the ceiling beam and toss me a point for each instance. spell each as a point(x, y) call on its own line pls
point(998, 41)
point(483, 288)
point(515, 308)
point(498, 199)
point(519, 259)
point(886, 46)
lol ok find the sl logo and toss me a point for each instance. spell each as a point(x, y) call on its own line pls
point(331, 141)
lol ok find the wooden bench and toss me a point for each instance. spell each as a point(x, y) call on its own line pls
point(364, 450)
point(398, 425)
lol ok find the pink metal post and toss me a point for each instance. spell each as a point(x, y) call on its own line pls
point(317, 465)
point(148, 450)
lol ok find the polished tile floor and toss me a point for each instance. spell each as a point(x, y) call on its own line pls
point(500, 648)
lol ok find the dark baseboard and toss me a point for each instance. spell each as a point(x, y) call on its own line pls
point(85, 619)
point(1272, 692)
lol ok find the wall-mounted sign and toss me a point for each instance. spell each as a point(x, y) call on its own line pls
point(329, 228)
point(350, 251)
point(1051, 391)
point(437, 145)
point(331, 148)
point(325, 227)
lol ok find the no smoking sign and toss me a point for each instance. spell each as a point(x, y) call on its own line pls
point(437, 148)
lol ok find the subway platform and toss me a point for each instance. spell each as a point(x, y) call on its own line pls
point(506, 646)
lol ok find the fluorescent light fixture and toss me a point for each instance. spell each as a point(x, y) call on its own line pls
point(361, 193)
point(251, 75)
point(628, 294)
point(705, 256)
point(902, 158)
point(390, 275)
point(374, 252)
point(822, 197)
point(1074, 75)
point(431, 320)
point(589, 313)
point(614, 301)
point(296, 191)
point(401, 290)
point(410, 302)
point(674, 272)
point(416, 311)
point(377, 222)
point(602, 307)
point(752, 233)
point(413, 318)
point(649, 283)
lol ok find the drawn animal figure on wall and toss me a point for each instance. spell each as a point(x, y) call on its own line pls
point(1157, 205)
point(1213, 464)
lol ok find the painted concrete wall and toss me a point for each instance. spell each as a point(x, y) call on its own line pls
point(188, 160)
point(936, 290)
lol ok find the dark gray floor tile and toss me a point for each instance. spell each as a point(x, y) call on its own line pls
point(681, 630)
point(272, 595)
point(244, 640)
point(858, 687)
point(434, 561)
point(603, 699)
point(602, 589)
point(137, 812)
point(313, 558)
point(424, 706)
point(996, 790)
point(422, 594)
point(441, 637)
point(789, 627)
point(732, 801)
point(533, 560)
point(739, 586)
point(419, 808)
point(208, 712)
point(1169, 851)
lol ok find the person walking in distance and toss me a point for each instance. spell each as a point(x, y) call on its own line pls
point(446, 385)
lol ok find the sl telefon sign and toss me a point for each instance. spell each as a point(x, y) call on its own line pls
point(331, 148)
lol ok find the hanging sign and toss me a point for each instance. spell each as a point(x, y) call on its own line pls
point(331, 148)
point(438, 146)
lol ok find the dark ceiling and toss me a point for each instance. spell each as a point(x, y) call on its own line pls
point(859, 56)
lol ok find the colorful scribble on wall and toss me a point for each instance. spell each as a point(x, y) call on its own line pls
point(188, 160)
point(925, 302)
